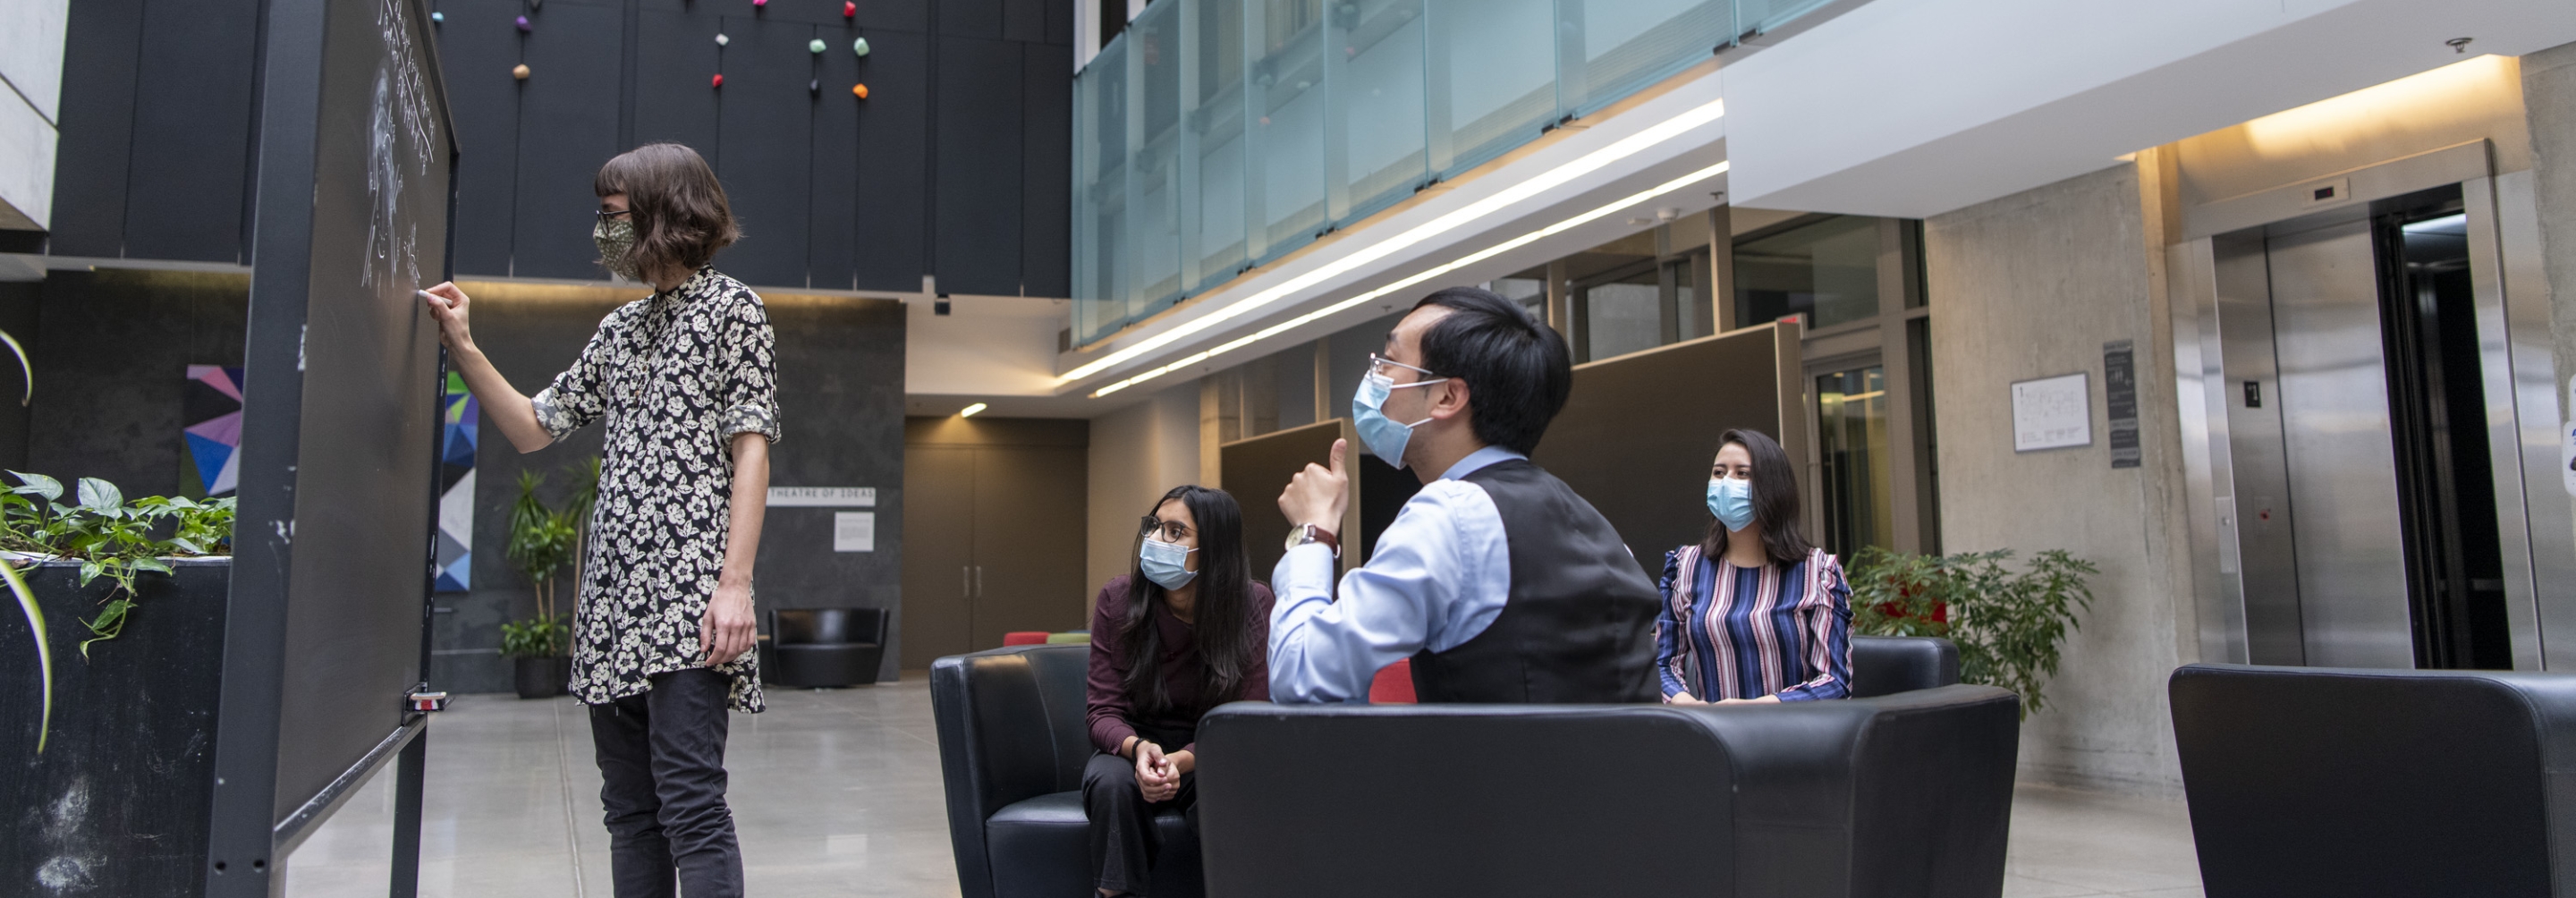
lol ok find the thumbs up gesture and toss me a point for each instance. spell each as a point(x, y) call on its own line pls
point(1319, 494)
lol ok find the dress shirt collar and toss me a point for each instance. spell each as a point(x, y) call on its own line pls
point(1478, 460)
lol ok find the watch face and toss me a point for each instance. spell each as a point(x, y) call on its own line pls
point(1297, 536)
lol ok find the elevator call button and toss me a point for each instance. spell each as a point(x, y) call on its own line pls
point(2253, 394)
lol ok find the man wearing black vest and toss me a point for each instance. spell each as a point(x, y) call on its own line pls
point(1500, 582)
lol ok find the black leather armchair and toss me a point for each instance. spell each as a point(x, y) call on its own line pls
point(1896, 795)
point(1886, 665)
point(1012, 745)
point(2320, 781)
point(816, 647)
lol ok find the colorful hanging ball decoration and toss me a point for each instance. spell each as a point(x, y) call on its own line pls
point(860, 47)
point(859, 90)
point(719, 82)
point(519, 71)
point(814, 46)
point(722, 40)
point(849, 9)
point(757, 4)
point(438, 18)
point(523, 24)
point(536, 4)
point(814, 87)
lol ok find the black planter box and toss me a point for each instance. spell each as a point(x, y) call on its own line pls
point(118, 802)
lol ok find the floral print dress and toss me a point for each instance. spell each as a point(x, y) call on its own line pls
point(676, 375)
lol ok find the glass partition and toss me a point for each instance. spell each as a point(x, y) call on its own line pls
point(1212, 135)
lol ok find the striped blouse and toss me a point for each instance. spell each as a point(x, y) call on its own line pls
point(1770, 631)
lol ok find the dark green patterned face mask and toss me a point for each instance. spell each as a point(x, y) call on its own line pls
point(615, 236)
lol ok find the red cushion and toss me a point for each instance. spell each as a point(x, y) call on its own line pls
point(1394, 684)
point(1025, 637)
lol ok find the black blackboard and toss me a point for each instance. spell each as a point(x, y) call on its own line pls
point(323, 636)
point(1637, 435)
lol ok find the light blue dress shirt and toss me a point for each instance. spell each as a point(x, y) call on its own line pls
point(1441, 574)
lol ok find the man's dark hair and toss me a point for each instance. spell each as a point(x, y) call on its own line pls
point(679, 209)
point(1517, 370)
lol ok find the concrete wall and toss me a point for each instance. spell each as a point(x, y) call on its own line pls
point(2032, 285)
point(1138, 453)
point(2549, 101)
point(111, 351)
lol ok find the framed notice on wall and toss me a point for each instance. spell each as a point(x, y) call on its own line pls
point(2052, 412)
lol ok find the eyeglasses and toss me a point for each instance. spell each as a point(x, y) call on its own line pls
point(1166, 531)
point(605, 214)
point(1382, 366)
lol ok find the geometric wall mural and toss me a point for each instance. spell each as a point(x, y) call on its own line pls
point(210, 445)
point(456, 488)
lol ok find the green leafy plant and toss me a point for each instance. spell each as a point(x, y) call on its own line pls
point(543, 541)
point(2009, 626)
point(109, 536)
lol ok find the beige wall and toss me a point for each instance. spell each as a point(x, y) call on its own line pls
point(2029, 286)
point(1137, 453)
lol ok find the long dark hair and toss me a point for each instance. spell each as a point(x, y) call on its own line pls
point(679, 208)
point(1222, 614)
point(1775, 501)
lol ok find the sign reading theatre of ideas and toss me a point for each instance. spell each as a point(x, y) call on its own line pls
point(852, 531)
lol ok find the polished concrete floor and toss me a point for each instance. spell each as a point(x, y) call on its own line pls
point(837, 793)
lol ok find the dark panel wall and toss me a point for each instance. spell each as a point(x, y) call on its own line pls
point(111, 352)
point(958, 164)
point(840, 386)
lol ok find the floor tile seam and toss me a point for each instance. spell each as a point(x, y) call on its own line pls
point(563, 780)
point(897, 727)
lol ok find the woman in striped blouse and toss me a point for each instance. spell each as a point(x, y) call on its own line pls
point(1753, 613)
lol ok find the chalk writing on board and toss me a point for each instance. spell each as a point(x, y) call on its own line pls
point(2052, 412)
point(400, 115)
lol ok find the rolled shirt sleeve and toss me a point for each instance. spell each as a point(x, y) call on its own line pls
point(1825, 616)
point(751, 386)
point(577, 396)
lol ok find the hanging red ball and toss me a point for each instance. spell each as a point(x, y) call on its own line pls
point(719, 82)
point(849, 9)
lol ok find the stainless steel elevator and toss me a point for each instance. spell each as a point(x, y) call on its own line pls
point(2365, 511)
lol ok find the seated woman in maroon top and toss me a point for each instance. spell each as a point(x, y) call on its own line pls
point(1187, 629)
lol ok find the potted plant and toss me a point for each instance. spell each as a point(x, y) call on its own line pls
point(2008, 625)
point(113, 710)
point(543, 541)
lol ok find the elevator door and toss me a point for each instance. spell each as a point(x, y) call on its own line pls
point(2361, 490)
point(2342, 481)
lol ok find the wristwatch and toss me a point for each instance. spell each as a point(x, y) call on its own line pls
point(1309, 533)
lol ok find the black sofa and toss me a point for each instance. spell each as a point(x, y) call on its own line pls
point(2321, 781)
point(820, 647)
point(1012, 745)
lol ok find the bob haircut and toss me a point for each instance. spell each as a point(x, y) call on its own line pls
point(1775, 501)
point(679, 209)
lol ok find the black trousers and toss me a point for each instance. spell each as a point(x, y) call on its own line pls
point(1124, 843)
point(662, 780)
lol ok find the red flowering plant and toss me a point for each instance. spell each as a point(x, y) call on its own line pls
point(2008, 625)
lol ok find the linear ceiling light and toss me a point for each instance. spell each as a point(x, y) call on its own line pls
point(1436, 271)
point(1586, 164)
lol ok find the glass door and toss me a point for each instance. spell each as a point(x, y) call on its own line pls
point(1852, 431)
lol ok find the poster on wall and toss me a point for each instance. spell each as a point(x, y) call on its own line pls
point(2052, 412)
point(210, 441)
point(456, 487)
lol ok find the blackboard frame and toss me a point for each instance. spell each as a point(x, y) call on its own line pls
point(255, 821)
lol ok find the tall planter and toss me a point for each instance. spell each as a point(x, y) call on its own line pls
point(117, 803)
point(542, 677)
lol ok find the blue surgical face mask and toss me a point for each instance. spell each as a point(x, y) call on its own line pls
point(1165, 563)
point(1381, 434)
point(1731, 500)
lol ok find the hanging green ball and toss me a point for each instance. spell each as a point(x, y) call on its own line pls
point(816, 45)
point(861, 47)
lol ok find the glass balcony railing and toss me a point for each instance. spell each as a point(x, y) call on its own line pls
point(1214, 135)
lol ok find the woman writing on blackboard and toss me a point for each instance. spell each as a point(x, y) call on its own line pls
point(1753, 613)
point(684, 380)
